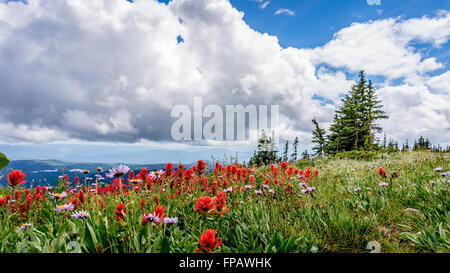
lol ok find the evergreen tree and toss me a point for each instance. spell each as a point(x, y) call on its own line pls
point(406, 146)
point(354, 125)
point(372, 111)
point(422, 144)
point(286, 151)
point(305, 155)
point(318, 139)
point(294, 154)
point(266, 153)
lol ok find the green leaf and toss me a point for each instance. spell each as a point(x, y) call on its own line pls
point(242, 249)
point(165, 248)
point(4, 161)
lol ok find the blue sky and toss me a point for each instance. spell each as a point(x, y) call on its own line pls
point(321, 30)
point(316, 21)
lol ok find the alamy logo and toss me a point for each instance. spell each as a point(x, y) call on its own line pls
point(239, 123)
point(374, 2)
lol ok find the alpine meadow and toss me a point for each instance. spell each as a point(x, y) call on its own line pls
point(224, 126)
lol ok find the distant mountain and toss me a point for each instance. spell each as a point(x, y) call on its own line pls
point(46, 172)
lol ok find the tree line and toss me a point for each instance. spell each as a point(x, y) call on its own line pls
point(354, 128)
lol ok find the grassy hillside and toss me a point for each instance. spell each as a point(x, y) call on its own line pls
point(344, 207)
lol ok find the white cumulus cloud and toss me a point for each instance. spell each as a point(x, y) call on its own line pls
point(110, 70)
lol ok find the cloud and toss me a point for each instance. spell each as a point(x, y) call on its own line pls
point(413, 111)
point(264, 5)
point(373, 2)
point(111, 71)
point(383, 47)
point(440, 83)
point(284, 11)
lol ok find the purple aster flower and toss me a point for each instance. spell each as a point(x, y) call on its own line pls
point(432, 182)
point(265, 186)
point(357, 189)
point(58, 195)
point(156, 174)
point(302, 185)
point(438, 169)
point(151, 218)
point(88, 178)
point(247, 187)
point(300, 195)
point(169, 220)
point(383, 184)
point(309, 190)
point(24, 226)
point(65, 207)
point(271, 191)
point(118, 171)
point(258, 192)
point(230, 189)
point(80, 215)
point(443, 174)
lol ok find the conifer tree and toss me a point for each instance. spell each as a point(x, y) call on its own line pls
point(372, 111)
point(294, 146)
point(318, 139)
point(305, 154)
point(286, 151)
point(354, 125)
point(267, 151)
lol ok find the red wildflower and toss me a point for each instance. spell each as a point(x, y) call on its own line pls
point(22, 208)
point(169, 169)
point(382, 172)
point(15, 178)
point(233, 169)
point(201, 167)
point(208, 242)
point(142, 174)
point(188, 174)
point(81, 196)
point(17, 195)
point(221, 201)
point(180, 170)
point(119, 212)
point(204, 205)
point(75, 202)
point(131, 175)
point(159, 212)
point(29, 200)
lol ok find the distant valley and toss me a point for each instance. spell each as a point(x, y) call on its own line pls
point(47, 172)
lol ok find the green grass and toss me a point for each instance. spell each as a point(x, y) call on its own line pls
point(334, 219)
